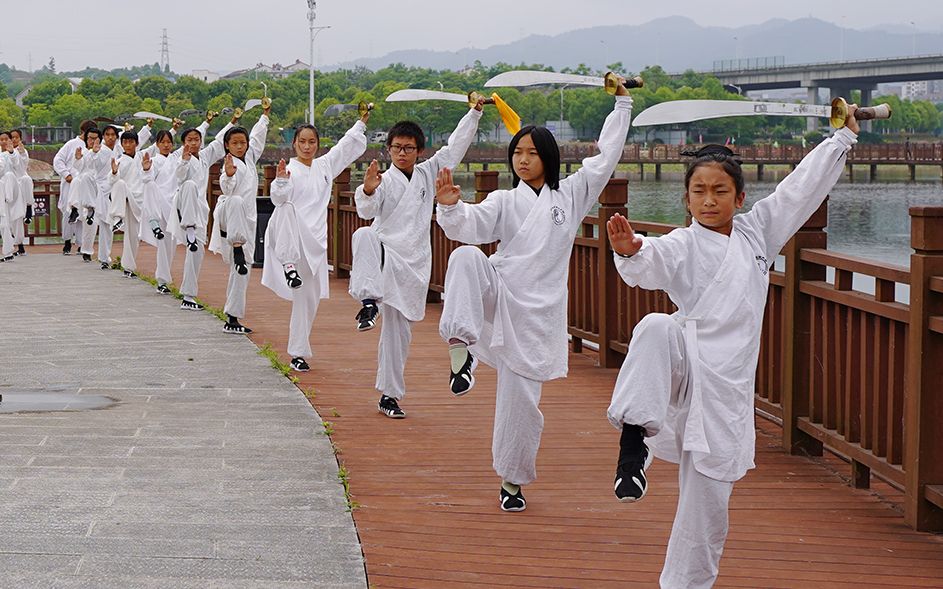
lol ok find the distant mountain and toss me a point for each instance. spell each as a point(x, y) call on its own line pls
point(678, 43)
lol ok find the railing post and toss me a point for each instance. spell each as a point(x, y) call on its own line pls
point(797, 328)
point(486, 182)
point(923, 401)
point(341, 184)
point(612, 200)
point(212, 194)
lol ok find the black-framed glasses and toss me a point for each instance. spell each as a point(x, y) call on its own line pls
point(402, 148)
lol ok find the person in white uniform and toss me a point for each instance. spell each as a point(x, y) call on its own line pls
point(160, 183)
point(295, 266)
point(83, 193)
point(392, 258)
point(235, 215)
point(8, 193)
point(21, 211)
point(685, 391)
point(127, 199)
point(105, 231)
point(509, 310)
point(62, 164)
point(190, 213)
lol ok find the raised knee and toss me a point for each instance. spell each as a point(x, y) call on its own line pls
point(655, 322)
point(466, 254)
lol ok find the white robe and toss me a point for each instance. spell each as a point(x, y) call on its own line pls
point(720, 286)
point(308, 193)
point(160, 183)
point(401, 209)
point(245, 184)
point(62, 164)
point(83, 192)
point(197, 171)
point(8, 193)
point(529, 330)
point(24, 195)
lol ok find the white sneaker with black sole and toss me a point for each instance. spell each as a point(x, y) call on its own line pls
point(389, 407)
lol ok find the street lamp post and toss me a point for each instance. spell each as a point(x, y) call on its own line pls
point(313, 30)
point(561, 110)
point(913, 48)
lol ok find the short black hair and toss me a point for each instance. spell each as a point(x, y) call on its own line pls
point(234, 131)
point(88, 132)
point(407, 129)
point(7, 133)
point(183, 136)
point(129, 135)
point(17, 131)
point(161, 134)
point(547, 150)
point(111, 128)
point(716, 154)
point(301, 128)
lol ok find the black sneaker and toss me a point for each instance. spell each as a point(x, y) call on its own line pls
point(163, 289)
point(86, 258)
point(119, 226)
point(67, 247)
point(239, 260)
point(21, 250)
point(367, 317)
point(236, 328)
point(631, 484)
point(192, 246)
point(389, 407)
point(294, 281)
point(191, 306)
point(158, 233)
point(74, 215)
point(130, 274)
point(514, 502)
point(464, 380)
point(90, 219)
point(298, 364)
point(105, 266)
point(8, 258)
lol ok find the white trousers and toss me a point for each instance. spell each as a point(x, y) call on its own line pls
point(106, 238)
point(366, 272)
point(652, 381)
point(72, 231)
point(19, 231)
point(284, 234)
point(396, 333)
point(304, 308)
point(192, 208)
point(471, 286)
point(236, 291)
point(6, 236)
point(88, 238)
point(129, 254)
point(190, 287)
point(165, 257)
point(231, 216)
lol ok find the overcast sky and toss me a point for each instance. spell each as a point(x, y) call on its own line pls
point(224, 35)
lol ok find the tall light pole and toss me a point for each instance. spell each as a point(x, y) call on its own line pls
point(561, 110)
point(913, 48)
point(313, 30)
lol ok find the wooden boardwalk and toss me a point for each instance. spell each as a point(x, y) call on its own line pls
point(429, 516)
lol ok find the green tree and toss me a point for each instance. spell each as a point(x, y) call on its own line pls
point(153, 87)
point(47, 91)
point(11, 116)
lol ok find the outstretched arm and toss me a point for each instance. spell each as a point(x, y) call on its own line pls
point(451, 154)
point(347, 150)
point(257, 140)
point(369, 196)
point(467, 223)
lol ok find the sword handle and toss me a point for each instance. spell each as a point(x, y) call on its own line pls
point(611, 81)
point(867, 113)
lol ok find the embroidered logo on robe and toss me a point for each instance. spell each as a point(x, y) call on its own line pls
point(762, 264)
point(558, 216)
point(422, 193)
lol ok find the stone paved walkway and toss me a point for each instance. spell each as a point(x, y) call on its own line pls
point(209, 470)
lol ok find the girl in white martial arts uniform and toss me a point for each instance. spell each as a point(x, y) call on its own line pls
point(62, 165)
point(235, 215)
point(83, 194)
point(511, 308)
point(160, 183)
point(8, 192)
point(127, 198)
point(295, 265)
point(686, 387)
point(392, 258)
point(21, 212)
point(190, 214)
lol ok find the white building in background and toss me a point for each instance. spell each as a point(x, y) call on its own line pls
point(205, 75)
point(276, 70)
point(914, 90)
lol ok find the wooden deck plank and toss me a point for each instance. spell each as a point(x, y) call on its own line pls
point(428, 497)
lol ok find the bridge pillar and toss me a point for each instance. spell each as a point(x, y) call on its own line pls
point(866, 96)
point(812, 123)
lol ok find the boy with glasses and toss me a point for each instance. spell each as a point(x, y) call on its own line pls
point(392, 258)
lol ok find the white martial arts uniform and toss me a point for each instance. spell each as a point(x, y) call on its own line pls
point(392, 258)
point(511, 308)
point(160, 183)
point(127, 201)
point(24, 196)
point(84, 191)
point(106, 233)
point(62, 164)
point(8, 194)
point(236, 215)
point(688, 378)
point(190, 206)
point(297, 233)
